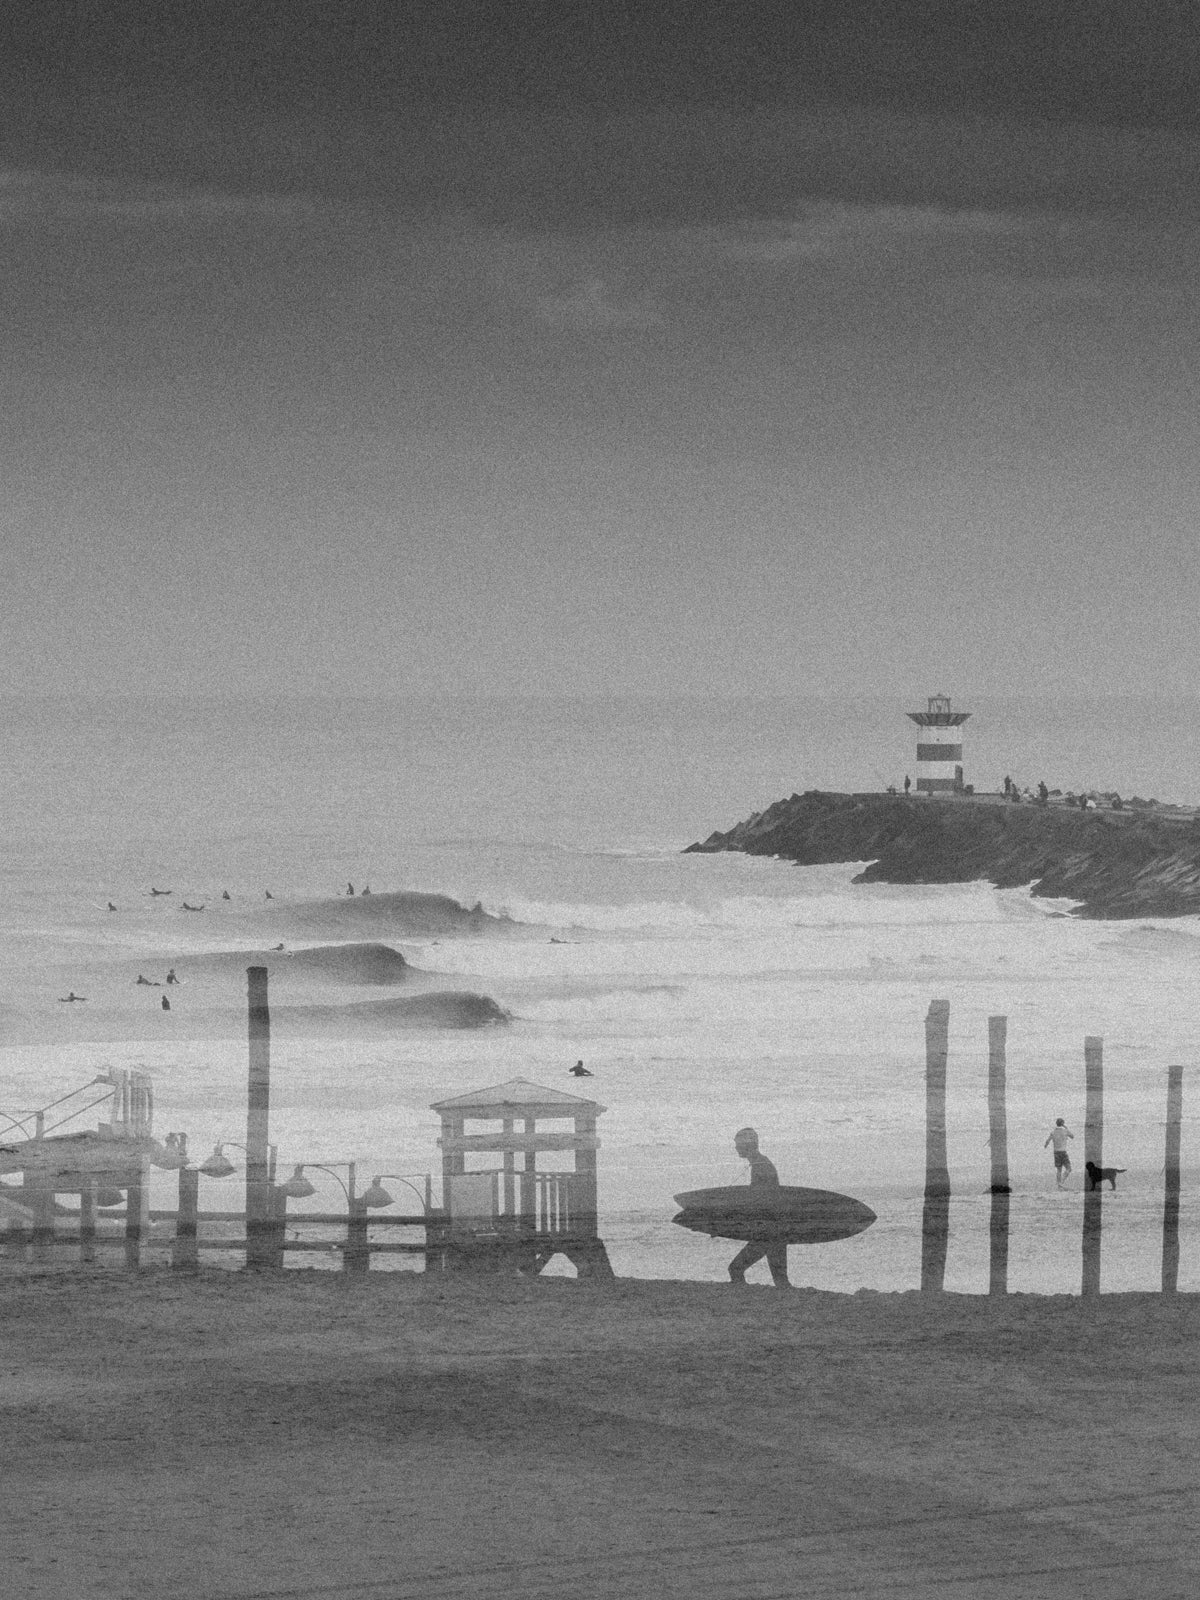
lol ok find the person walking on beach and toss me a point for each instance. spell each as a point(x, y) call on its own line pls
point(1058, 1136)
point(762, 1176)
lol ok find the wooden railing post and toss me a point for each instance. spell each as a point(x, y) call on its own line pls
point(1170, 1241)
point(935, 1221)
point(1093, 1151)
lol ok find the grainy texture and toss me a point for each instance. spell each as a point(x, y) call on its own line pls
point(302, 1434)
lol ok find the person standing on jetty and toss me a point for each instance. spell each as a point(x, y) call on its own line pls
point(762, 1176)
point(1058, 1136)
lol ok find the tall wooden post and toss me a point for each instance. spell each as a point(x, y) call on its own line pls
point(185, 1252)
point(1093, 1150)
point(935, 1221)
point(259, 1207)
point(1170, 1244)
point(998, 1139)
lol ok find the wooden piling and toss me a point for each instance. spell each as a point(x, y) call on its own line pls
point(87, 1220)
point(357, 1255)
point(137, 1213)
point(185, 1252)
point(41, 1199)
point(998, 1140)
point(1170, 1244)
point(259, 1208)
point(935, 1220)
point(1093, 1150)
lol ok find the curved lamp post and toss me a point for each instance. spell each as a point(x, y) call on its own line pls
point(377, 1195)
point(357, 1257)
point(219, 1165)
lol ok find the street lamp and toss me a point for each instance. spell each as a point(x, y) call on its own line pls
point(377, 1195)
point(357, 1257)
point(297, 1187)
point(219, 1165)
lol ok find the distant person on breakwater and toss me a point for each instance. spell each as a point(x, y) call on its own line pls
point(349, 888)
point(1058, 1136)
point(166, 1004)
point(763, 1175)
point(580, 1071)
point(171, 978)
point(907, 783)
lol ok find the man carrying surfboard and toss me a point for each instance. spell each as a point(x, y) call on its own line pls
point(762, 1176)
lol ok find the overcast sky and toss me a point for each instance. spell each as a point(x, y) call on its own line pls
point(590, 348)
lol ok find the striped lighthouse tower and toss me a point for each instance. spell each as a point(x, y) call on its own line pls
point(939, 746)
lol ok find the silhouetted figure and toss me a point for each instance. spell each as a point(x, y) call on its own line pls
point(111, 907)
point(161, 891)
point(1058, 1136)
point(349, 888)
point(367, 889)
point(171, 978)
point(1043, 794)
point(269, 895)
point(580, 1071)
point(762, 1176)
point(225, 895)
point(149, 982)
point(166, 1004)
point(277, 947)
point(187, 907)
point(907, 783)
point(66, 999)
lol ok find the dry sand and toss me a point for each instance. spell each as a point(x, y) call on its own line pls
point(309, 1435)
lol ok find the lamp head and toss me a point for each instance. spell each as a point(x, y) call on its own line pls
point(218, 1164)
point(376, 1195)
point(297, 1187)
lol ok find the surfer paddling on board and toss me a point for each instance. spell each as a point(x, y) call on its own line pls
point(762, 1176)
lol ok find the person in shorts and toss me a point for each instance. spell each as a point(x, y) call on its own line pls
point(1059, 1134)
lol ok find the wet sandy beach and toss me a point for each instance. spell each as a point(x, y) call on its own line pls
point(303, 1435)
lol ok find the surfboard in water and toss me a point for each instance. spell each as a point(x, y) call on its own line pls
point(758, 1214)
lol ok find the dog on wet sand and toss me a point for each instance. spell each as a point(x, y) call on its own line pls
point(1097, 1175)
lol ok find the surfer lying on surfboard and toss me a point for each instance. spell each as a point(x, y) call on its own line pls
point(763, 1175)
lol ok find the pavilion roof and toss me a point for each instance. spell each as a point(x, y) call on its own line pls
point(518, 1094)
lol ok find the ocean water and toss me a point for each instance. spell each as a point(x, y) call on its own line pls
point(704, 992)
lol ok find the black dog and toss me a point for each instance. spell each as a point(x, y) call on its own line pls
point(1097, 1175)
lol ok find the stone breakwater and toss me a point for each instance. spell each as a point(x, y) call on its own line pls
point(1115, 864)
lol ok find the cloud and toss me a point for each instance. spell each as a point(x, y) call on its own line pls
point(834, 230)
point(33, 195)
point(590, 303)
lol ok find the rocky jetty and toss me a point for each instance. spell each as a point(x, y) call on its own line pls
point(1129, 863)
